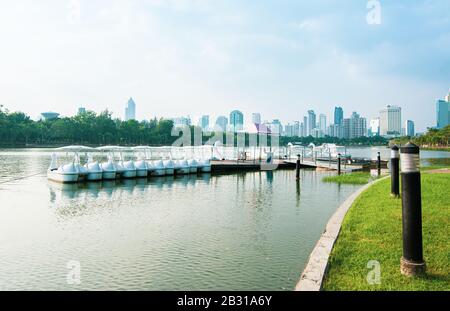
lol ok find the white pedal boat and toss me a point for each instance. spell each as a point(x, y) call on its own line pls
point(204, 166)
point(169, 167)
point(193, 165)
point(129, 170)
point(141, 168)
point(65, 173)
point(109, 170)
point(182, 167)
point(158, 168)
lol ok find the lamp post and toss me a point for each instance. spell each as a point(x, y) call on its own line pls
point(395, 161)
point(412, 262)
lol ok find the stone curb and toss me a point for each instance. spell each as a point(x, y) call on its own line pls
point(314, 272)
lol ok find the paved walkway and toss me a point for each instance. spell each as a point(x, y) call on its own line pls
point(314, 272)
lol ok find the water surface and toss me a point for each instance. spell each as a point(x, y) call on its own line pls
point(251, 231)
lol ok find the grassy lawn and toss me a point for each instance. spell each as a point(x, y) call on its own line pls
point(357, 178)
point(372, 230)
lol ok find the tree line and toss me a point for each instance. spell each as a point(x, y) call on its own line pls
point(434, 138)
point(90, 128)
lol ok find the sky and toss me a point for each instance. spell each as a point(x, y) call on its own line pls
point(193, 57)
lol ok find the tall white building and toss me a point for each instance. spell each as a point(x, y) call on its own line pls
point(130, 110)
point(374, 127)
point(391, 121)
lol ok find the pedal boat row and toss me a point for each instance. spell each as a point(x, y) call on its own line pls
point(109, 170)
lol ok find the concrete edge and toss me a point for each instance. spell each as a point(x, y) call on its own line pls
point(314, 272)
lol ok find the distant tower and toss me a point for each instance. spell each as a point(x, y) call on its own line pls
point(323, 123)
point(236, 120)
point(409, 127)
point(81, 110)
point(130, 110)
point(338, 115)
point(221, 124)
point(204, 122)
point(311, 121)
point(391, 121)
point(256, 118)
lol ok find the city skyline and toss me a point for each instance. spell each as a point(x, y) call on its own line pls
point(274, 58)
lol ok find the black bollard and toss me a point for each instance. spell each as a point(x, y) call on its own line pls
point(339, 164)
point(379, 163)
point(395, 162)
point(297, 168)
point(412, 262)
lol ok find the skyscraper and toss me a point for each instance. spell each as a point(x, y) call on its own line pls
point(311, 121)
point(256, 118)
point(296, 131)
point(409, 127)
point(130, 110)
point(204, 122)
point(442, 113)
point(323, 123)
point(391, 121)
point(338, 115)
point(305, 127)
point(221, 124)
point(357, 126)
point(276, 127)
point(374, 127)
point(236, 120)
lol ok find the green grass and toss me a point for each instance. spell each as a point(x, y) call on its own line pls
point(357, 178)
point(372, 230)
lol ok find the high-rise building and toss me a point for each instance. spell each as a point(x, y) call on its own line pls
point(447, 98)
point(391, 121)
point(409, 127)
point(289, 130)
point(130, 110)
point(296, 129)
point(305, 127)
point(204, 122)
point(236, 120)
point(374, 127)
point(323, 123)
point(81, 110)
point(357, 126)
point(221, 124)
point(256, 118)
point(338, 115)
point(336, 130)
point(346, 128)
point(311, 121)
point(276, 127)
point(442, 113)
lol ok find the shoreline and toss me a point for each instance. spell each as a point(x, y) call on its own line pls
point(315, 270)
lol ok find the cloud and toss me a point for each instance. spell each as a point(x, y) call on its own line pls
point(310, 24)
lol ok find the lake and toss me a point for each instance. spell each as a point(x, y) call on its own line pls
point(246, 231)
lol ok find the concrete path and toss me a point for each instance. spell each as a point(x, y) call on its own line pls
point(314, 272)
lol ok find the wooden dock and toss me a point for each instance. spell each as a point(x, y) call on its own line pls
point(255, 165)
point(248, 165)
